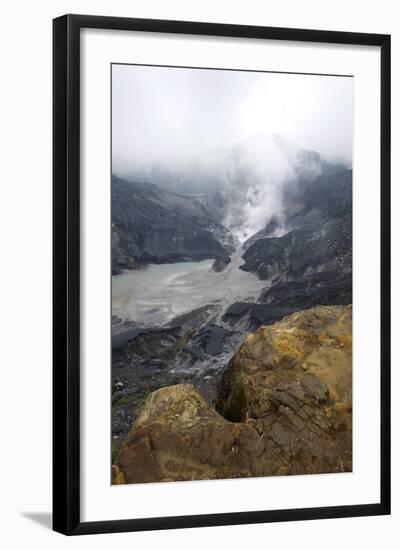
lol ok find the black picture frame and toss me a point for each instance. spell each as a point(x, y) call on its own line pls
point(66, 273)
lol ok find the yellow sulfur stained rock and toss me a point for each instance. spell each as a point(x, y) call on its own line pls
point(284, 407)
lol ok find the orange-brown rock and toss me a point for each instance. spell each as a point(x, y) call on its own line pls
point(284, 407)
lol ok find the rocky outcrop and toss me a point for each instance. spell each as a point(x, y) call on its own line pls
point(178, 436)
point(191, 349)
point(153, 225)
point(309, 265)
point(302, 252)
point(309, 348)
point(284, 407)
point(321, 288)
point(249, 316)
point(286, 297)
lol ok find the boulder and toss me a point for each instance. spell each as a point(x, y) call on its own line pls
point(179, 436)
point(292, 381)
point(283, 407)
point(310, 348)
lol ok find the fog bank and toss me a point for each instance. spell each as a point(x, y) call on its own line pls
point(194, 131)
point(171, 116)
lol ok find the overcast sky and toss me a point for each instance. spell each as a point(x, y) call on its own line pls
point(162, 115)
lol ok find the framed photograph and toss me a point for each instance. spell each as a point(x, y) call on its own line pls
point(221, 274)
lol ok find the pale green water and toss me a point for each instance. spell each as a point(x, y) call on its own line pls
point(136, 294)
point(159, 293)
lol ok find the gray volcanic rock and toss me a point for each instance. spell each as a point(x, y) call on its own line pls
point(153, 225)
point(330, 194)
point(312, 263)
point(251, 316)
point(302, 252)
point(144, 359)
point(325, 288)
point(308, 266)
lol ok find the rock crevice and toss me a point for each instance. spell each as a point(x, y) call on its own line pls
point(283, 407)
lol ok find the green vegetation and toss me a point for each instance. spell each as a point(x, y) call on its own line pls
point(114, 451)
point(131, 397)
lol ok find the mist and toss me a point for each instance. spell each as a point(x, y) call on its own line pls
point(194, 131)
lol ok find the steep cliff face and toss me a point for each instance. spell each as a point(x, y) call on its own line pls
point(302, 252)
point(284, 407)
point(319, 214)
point(153, 225)
point(309, 265)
